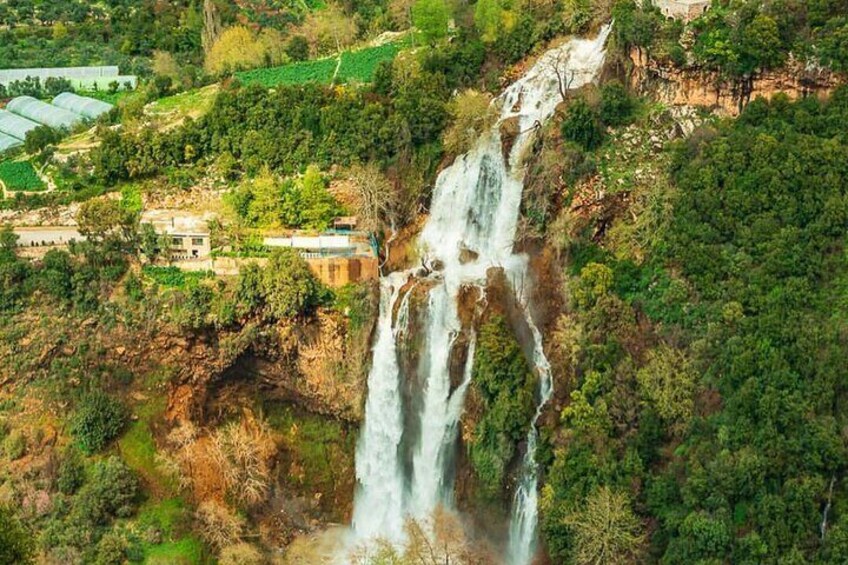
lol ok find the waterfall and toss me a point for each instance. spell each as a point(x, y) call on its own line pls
point(471, 227)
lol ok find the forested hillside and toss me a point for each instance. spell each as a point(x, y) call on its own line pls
point(651, 367)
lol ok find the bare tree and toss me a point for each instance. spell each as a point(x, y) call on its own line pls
point(376, 198)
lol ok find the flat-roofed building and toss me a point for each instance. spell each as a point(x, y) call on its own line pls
point(186, 235)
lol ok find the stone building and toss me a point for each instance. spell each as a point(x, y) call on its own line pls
point(686, 10)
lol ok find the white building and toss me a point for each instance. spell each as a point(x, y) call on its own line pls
point(187, 234)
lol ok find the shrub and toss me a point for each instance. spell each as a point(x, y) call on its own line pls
point(582, 125)
point(219, 526)
point(71, 473)
point(98, 419)
point(289, 287)
point(111, 493)
point(15, 542)
point(15, 445)
point(617, 106)
point(241, 554)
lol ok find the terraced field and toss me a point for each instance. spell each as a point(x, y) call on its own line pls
point(20, 176)
point(355, 66)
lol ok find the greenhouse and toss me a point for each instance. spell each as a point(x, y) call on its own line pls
point(43, 113)
point(83, 105)
point(8, 142)
point(15, 126)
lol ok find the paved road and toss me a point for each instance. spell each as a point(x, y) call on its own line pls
point(46, 236)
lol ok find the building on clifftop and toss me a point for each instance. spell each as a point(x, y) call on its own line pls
point(686, 10)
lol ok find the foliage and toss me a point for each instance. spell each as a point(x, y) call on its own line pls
point(20, 176)
point(14, 446)
point(303, 202)
point(288, 286)
point(71, 472)
point(98, 419)
point(111, 492)
point(174, 277)
point(606, 529)
point(239, 48)
point(431, 18)
point(582, 125)
point(617, 105)
point(692, 386)
point(40, 138)
point(15, 541)
point(505, 383)
point(472, 114)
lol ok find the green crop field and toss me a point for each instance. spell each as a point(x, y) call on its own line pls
point(359, 66)
point(20, 176)
point(356, 66)
point(320, 71)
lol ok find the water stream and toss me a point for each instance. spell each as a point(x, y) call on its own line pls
point(404, 470)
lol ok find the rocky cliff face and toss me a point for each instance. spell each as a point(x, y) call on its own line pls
point(692, 87)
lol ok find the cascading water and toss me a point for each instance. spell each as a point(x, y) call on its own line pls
point(471, 228)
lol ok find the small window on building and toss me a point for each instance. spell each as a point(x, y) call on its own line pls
point(176, 241)
point(197, 241)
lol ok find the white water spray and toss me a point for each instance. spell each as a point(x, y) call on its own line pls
point(471, 228)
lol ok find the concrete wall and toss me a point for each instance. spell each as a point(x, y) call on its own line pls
point(334, 272)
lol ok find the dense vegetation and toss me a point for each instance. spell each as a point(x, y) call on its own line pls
point(19, 175)
point(718, 424)
point(695, 290)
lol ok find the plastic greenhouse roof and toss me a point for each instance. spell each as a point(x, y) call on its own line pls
point(43, 113)
point(14, 125)
point(83, 105)
point(8, 142)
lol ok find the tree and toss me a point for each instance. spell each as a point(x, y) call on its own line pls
point(606, 530)
point(761, 45)
point(582, 125)
point(431, 17)
point(318, 206)
point(40, 138)
point(98, 419)
point(298, 48)
point(617, 106)
point(165, 65)
point(376, 198)
point(668, 384)
point(489, 19)
point(100, 218)
point(16, 543)
point(471, 114)
point(329, 30)
point(289, 287)
point(236, 48)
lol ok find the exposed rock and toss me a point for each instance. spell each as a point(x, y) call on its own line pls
point(693, 87)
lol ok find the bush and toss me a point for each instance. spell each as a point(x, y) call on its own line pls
point(15, 542)
point(98, 419)
point(617, 106)
point(289, 287)
point(241, 554)
point(111, 493)
point(71, 473)
point(15, 445)
point(582, 125)
point(41, 137)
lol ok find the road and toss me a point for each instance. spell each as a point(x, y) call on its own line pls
point(47, 236)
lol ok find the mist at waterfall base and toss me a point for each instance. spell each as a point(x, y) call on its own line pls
point(404, 475)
